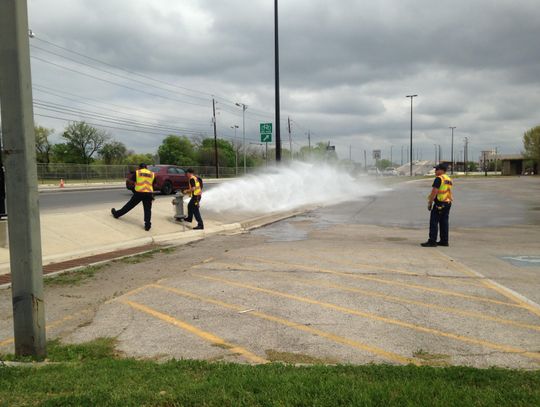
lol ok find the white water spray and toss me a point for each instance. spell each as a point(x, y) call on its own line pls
point(286, 188)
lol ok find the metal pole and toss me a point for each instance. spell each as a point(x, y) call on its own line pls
point(215, 137)
point(290, 136)
point(276, 56)
point(21, 180)
point(411, 164)
point(236, 150)
point(244, 108)
point(452, 150)
point(266, 153)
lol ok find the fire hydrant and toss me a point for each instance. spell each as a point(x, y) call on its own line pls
point(178, 203)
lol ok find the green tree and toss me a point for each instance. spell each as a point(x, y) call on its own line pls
point(177, 151)
point(64, 153)
point(226, 153)
point(383, 164)
point(531, 144)
point(43, 145)
point(136, 159)
point(114, 152)
point(84, 141)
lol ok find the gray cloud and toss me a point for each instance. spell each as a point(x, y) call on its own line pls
point(345, 66)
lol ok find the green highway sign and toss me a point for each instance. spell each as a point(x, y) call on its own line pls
point(266, 132)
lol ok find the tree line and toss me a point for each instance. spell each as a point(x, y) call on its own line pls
point(85, 144)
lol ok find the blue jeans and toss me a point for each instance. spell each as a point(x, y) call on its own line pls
point(439, 219)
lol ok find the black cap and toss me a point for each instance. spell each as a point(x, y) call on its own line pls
point(142, 165)
point(443, 167)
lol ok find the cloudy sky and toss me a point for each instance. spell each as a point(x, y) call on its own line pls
point(142, 69)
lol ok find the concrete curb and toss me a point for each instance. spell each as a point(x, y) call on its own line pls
point(170, 239)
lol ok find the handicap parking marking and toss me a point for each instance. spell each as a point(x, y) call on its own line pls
point(523, 261)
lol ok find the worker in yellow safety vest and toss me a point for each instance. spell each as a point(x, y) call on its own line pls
point(195, 191)
point(439, 203)
point(143, 191)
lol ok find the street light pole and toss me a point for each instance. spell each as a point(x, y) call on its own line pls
point(19, 158)
point(244, 108)
point(412, 97)
point(215, 137)
point(276, 58)
point(452, 152)
point(235, 150)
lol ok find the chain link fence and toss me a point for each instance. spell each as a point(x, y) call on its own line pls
point(52, 173)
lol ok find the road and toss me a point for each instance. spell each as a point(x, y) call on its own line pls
point(342, 284)
point(69, 201)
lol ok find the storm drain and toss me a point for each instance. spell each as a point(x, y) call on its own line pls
point(86, 261)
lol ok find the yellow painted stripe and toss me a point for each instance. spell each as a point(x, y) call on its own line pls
point(51, 325)
point(447, 279)
point(389, 282)
point(393, 298)
point(450, 310)
point(391, 356)
point(368, 315)
point(207, 336)
point(464, 269)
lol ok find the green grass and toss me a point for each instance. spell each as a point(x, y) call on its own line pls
point(74, 277)
point(94, 375)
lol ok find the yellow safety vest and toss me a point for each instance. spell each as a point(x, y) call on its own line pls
point(197, 191)
point(445, 190)
point(144, 181)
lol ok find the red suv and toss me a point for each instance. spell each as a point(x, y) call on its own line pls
point(169, 178)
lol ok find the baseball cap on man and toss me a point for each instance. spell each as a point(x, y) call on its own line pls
point(442, 167)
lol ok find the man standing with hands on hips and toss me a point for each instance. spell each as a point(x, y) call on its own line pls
point(195, 191)
point(439, 204)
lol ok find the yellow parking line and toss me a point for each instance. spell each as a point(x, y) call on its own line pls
point(450, 310)
point(51, 325)
point(368, 315)
point(207, 336)
point(390, 282)
point(391, 356)
point(361, 266)
point(487, 283)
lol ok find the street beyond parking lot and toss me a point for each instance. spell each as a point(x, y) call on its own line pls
point(343, 284)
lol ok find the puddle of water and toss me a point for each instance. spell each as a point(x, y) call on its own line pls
point(282, 232)
point(523, 261)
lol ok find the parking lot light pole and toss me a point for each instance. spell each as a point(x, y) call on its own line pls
point(411, 152)
point(452, 149)
point(244, 108)
point(19, 158)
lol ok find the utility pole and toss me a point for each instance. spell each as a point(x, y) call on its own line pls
point(365, 160)
point(452, 150)
point(466, 154)
point(215, 137)
point(411, 97)
point(290, 136)
point(236, 149)
point(19, 157)
point(244, 108)
point(276, 57)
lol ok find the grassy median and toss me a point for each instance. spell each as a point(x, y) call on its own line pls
point(94, 375)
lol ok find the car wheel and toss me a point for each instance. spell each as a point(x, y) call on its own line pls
point(167, 188)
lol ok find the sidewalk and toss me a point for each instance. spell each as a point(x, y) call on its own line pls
point(69, 235)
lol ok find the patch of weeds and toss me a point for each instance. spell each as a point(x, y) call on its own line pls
point(139, 258)
point(297, 358)
point(74, 277)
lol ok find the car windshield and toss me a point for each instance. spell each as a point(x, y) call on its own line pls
point(154, 168)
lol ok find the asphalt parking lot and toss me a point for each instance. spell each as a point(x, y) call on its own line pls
point(331, 286)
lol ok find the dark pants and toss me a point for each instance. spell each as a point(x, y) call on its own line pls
point(194, 210)
point(146, 199)
point(439, 218)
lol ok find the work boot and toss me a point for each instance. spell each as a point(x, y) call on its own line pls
point(442, 244)
point(429, 243)
point(198, 227)
point(114, 213)
point(147, 227)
